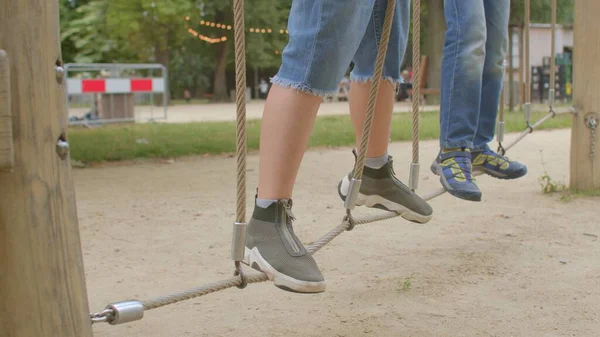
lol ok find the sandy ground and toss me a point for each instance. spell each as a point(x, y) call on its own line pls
point(520, 263)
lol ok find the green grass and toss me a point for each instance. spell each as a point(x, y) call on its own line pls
point(192, 101)
point(121, 142)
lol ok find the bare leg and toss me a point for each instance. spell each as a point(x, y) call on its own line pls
point(380, 132)
point(286, 128)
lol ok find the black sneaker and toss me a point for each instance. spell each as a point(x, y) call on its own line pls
point(381, 189)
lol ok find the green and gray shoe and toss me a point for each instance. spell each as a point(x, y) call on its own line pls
point(381, 189)
point(273, 248)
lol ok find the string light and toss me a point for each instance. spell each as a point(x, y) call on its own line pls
point(193, 32)
point(229, 27)
point(213, 40)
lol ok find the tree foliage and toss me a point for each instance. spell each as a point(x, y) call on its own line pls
point(143, 31)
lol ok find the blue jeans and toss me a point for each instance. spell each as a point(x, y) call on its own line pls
point(325, 36)
point(475, 47)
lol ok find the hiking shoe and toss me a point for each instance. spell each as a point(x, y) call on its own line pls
point(273, 248)
point(497, 166)
point(381, 189)
point(456, 174)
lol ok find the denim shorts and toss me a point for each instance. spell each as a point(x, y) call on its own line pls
point(325, 36)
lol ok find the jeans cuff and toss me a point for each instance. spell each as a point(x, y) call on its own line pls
point(302, 87)
point(480, 148)
point(456, 145)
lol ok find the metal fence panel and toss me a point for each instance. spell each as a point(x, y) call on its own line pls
point(113, 93)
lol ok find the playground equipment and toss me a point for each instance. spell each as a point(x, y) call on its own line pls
point(42, 284)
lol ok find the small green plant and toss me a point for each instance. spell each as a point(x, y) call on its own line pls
point(548, 184)
point(406, 284)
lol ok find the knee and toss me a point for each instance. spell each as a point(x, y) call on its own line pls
point(495, 58)
point(472, 50)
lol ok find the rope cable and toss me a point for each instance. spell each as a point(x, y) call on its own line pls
point(527, 45)
point(374, 90)
point(416, 81)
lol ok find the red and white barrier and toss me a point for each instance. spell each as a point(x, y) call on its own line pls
point(115, 85)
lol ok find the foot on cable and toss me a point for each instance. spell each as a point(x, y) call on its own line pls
point(496, 165)
point(273, 248)
point(456, 173)
point(381, 189)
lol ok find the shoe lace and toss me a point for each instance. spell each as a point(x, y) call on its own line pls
point(500, 159)
point(458, 172)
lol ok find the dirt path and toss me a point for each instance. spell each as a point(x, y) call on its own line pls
point(516, 264)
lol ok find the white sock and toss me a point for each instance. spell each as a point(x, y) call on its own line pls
point(265, 203)
point(377, 162)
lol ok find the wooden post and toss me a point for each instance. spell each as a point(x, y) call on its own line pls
point(434, 48)
point(585, 168)
point(6, 142)
point(42, 284)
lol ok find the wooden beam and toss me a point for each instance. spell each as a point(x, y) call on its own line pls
point(511, 69)
point(42, 284)
point(6, 141)
point(585, 168)
point(521, 67)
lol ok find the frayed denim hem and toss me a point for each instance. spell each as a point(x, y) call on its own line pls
point(302, 87)
point(364, 79)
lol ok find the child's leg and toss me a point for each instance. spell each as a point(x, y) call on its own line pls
point(362, 74)
point(484, 159)
point(497, 15)
point(380, 133)
point(285, 131)
point(379, 187)
point(324, 35)
point(462, 69)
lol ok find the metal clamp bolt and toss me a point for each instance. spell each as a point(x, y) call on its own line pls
point(60, 74)
point(120, 313)
point(62, 147)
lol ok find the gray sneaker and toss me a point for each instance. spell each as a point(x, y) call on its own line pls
point(273, 248)
point(381, 189)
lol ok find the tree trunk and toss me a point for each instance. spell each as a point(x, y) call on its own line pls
point(220, 93)
point(434, 46)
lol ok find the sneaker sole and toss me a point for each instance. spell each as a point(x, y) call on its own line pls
point(375, 201)
point(253, 259)
point(497, 175)
point(437, 170)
